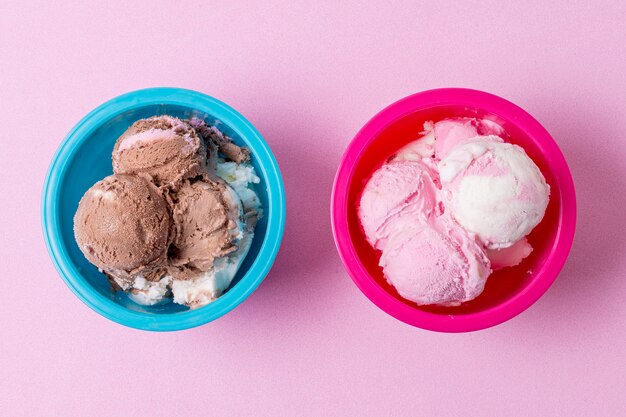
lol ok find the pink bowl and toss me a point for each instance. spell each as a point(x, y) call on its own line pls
point(509, 291)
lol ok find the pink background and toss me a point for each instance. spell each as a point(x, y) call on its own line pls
point(307, 342)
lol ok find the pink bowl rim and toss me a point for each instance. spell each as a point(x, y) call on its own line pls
point(496, 314)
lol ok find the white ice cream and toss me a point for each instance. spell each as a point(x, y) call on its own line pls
point(149, 293)
point(494, 190)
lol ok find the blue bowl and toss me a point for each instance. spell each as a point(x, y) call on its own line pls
point(84, 158)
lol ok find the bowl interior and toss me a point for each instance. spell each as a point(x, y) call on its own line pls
point(91, 161)
point(501, 285)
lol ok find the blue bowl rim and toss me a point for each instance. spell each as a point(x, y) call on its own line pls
point(275, 212)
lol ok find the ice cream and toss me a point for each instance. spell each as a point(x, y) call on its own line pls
point(449, 208)
point(165, 148)
point(437, 139)
point(426, 256)
point(435, 263)
point(122, 225)
point(206, 215)
point(397, 196)
point(200, 287)
point(494, 190)
point(177, 218)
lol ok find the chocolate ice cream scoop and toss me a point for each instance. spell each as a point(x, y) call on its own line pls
point(122, 225)
point(206, 220)
point(163, 147)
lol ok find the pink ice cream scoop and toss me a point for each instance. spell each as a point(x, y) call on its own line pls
point(436, 263)
point(397, 195)
point(426, 256)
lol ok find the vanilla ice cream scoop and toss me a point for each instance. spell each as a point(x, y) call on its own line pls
point(493, 189)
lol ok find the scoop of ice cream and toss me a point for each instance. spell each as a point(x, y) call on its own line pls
point(437, 263)
point(163, 147)
point(397, 195)
point(511, 256)
point(122, 225)
point(493, 189)
point(202, 287)
point(206, 217)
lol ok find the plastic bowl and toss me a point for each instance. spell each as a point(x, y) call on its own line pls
point(84, 157)
point(509, 291)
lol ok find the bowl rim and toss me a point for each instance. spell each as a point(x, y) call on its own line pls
point(498, 313)
point(275, 213)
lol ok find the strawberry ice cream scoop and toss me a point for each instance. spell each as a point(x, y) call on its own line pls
point(493, 189)
point(439, 263)
point(426, 255)
point(398, 195)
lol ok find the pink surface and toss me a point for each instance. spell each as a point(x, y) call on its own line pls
point(307, 342)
